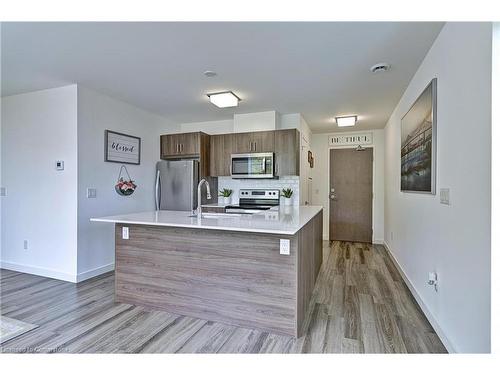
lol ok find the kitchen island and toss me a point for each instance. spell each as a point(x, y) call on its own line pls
point(219, 267)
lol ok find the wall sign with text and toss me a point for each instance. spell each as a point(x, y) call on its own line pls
point(350, 139)
point(121, 148)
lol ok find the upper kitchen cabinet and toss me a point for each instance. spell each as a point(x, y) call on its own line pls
point(244, 143)
point(182, 144)
point(187, 145)
point(221, 148)
point(287, 152)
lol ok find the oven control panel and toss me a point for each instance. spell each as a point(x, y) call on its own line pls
point(260, 194)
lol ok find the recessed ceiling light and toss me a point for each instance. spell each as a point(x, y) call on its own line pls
point(380, 67)
point(209, 73)
point(346, 120)
point(224, 99)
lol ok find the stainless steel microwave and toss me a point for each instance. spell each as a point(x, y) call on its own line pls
point(258, 165)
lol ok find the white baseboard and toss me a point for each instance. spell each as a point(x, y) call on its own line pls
point(94, 272)
point(54, 274)
point(444, 339)
point(39, 271)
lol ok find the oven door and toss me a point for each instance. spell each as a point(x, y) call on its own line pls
point(252, 165)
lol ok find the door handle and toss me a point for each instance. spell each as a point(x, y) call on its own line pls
point(157, 190)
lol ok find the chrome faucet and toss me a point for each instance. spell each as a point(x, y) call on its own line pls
point(209, 196)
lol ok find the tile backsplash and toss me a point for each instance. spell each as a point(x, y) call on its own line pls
point(281, 183)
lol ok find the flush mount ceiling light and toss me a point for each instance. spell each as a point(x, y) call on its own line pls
point(346, 120)
point(209, 73)
point(224, 99)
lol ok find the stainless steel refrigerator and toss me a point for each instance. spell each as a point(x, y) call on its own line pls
point(176, 185)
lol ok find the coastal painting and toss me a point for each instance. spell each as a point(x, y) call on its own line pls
point(418, 144)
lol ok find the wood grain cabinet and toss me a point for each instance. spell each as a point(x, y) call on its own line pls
point(221, 148)
point(183, 144)
point(287, 152)
point(244, 143)
point(187, 145)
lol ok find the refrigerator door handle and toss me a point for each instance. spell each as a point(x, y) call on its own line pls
point(157, 190)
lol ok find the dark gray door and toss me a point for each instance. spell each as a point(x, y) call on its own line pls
point(351, 194)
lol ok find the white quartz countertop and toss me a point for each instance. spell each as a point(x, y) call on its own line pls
point(278, 220)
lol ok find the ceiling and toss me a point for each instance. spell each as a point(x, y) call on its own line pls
point(318, 69)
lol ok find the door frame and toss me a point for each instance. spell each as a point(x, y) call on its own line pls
point(373, 185)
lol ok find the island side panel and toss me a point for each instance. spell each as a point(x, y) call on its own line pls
point(231, 277)
point(309, 260)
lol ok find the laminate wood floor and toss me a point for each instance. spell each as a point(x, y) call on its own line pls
point(360, 305)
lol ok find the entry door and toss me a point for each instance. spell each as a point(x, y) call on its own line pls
point(351, 194)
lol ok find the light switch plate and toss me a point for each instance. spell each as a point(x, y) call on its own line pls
point(125, 233)
point(284, 247)
point(444, 196)
point(91, 193)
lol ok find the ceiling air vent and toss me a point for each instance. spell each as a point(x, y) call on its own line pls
point(380, 67)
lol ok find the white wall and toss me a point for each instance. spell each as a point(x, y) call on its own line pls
point(454, 240)
point(495, 186)
point(209, 127)
point(39, 128)
point(96, 113)
point(1, 185)
point(321, 180)
point(256, 121)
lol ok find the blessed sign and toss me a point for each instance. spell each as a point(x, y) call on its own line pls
point(350, 139)
point(122, 148)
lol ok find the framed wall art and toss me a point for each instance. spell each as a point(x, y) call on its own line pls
point(121, 148)
point(418, 143)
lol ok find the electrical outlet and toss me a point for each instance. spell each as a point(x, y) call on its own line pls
point(125, 233)
point(60, 165)
point(284, 247)
point(3, 192)
point(25, 245)
point(444, 196)
point(91, 193)
point(433, 280)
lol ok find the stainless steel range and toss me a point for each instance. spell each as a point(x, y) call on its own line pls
point(255, 200)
